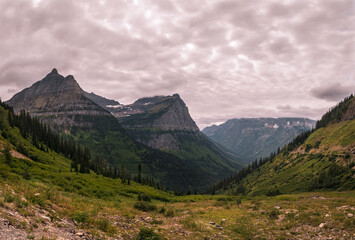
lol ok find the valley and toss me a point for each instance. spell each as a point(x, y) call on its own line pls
point(154, 175)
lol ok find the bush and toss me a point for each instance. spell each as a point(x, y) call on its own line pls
point(81, 217)
point(22, 149)
point(162, 210)
point(148, 234)
point(273, 192)
point(146, 198)
point(273, 214)
point(170, 213)
point(145, 207)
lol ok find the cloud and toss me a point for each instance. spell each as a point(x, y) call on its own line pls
point(333, 92)
point(226, 59)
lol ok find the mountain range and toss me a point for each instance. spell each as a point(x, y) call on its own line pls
point(41, 196)
point(158, 132)
point(254, 138)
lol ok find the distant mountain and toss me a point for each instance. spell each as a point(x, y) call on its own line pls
point(189, 159)
point(252, 138)
point(323, 158)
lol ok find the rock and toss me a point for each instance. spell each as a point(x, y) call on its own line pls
point(327, 215)
point(321, 225)
point(148, 219)
point(223, 219)
point(79, 234)
point(350, 215)
point(277, 207)
point(45, 218)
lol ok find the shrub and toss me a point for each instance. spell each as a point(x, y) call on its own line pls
point(308, 147)
point(170, 213)
point(80, 217)
point(162, 210)
point(148, 234)
point(145, 207)
point(146, 198)
point(273, 192)
point(273, 214)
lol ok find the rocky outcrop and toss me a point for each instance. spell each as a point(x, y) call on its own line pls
point(60, 102)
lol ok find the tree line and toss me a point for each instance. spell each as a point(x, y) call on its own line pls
point(336, 114)
point(43, 138)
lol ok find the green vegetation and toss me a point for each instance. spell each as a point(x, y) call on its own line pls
point(316, 160)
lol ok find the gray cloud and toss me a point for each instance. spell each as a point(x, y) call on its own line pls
point(229, 58)
point(333, 92)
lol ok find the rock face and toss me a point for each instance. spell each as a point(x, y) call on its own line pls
point(167, 113)
point(101, 101)
point(257, 137)
point(61, 102)
point(157, 121)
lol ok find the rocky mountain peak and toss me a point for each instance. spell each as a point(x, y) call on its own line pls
point(164, 112)
point(54, 71)
point(62, 103)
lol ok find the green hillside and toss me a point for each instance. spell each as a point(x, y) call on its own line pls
point(320, 160)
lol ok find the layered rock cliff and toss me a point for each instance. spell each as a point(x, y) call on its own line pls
point(60, 102)
point(157, 121)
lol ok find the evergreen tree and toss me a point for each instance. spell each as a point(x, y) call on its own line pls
point(7, 153)
point(139, 180)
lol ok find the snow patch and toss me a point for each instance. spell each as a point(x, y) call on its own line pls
point(114, 106)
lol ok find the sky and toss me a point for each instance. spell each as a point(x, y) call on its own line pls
point(226, 58)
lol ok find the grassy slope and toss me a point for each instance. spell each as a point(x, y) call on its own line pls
point(55, 198)
point(296, 171)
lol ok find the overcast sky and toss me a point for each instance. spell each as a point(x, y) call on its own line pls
point(226, 58)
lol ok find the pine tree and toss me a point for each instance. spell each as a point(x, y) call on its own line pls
point(7, 153)
point(139, 174)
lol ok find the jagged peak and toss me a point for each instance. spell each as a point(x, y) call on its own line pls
point(70, 77)
point(53, 72)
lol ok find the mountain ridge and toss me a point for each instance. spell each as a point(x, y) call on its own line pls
point(253, 138)
point(68, 110)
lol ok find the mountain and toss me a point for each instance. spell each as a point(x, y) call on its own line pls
point(60, 102)
point(157, 121)
point(252, 138)
point(164, 122)
point(320, 159)
point(101, 101)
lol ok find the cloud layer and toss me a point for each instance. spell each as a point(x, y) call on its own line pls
point(226, 58)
